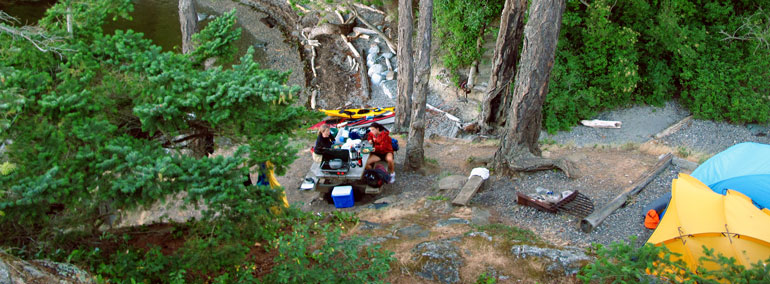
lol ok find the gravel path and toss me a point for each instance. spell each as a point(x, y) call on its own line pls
point(713, 137)
point(639, 124)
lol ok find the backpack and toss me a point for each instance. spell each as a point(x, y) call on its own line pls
point(394, 144)
point(376, 177)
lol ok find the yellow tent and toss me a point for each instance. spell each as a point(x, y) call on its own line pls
point(730, 224)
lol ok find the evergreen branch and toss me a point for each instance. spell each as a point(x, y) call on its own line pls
point(27, 33)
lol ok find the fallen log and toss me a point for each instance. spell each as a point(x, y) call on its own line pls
point(601, 123)
point(596, 218)
point(360, 30)
point(673, 128)
point(362, 6)
point(366, 88)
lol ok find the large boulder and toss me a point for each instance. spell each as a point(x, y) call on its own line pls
point(567, 260)
point(438, 261)
point(16, 271)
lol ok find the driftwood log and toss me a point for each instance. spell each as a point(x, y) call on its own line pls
point(673, 128)
point(601, 123)
point(387, 40)
point(329, 29)
point(596, 218)
point(366, 88)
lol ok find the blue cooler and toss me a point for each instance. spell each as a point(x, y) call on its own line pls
point(343, 196)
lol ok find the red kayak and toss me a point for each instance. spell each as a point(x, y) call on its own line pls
point(342, 122)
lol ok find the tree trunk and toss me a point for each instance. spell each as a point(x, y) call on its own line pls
point(188, 21)
point(497, 99)
point(415, 154)
point(519, 150)
point(405, 67)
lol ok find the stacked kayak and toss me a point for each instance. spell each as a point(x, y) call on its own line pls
point(355, 113)
point(360, 118)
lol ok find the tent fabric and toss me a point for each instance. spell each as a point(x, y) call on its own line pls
point(730, 224)
point(744, 159)
point(756, 187)
point(739, 160)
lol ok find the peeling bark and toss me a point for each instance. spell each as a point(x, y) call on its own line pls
point(405, 67)
point(519, 150)
point(497, 99)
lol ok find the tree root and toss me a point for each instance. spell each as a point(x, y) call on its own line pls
point(528, 162)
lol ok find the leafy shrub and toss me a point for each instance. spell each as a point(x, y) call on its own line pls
point(460, 25)
point(624, 263)
point(611, 54)
point(301, 259)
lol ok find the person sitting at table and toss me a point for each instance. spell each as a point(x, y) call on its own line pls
point(323, 142)
point(383, 149)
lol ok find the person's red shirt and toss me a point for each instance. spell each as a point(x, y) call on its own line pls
point(382, 143)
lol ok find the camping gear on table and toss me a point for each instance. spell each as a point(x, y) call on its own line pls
point(343, 196)
point(730, 224)
point(356, 112)
point(335, 161)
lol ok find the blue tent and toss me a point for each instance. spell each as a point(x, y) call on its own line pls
point(744, 167)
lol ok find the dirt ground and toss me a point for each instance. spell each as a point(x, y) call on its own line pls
point(601, 167)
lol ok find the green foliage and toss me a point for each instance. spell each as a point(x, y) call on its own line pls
point(217, 41)
point(713, 55)
point(113, 122)
point(460, 26)
point(624, 263)
point(484, 278)
point(336, 261)
point(87, 16)
point(345, 217)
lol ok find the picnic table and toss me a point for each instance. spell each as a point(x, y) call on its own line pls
point(354, 176)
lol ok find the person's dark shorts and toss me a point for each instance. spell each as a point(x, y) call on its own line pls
point(381, 155)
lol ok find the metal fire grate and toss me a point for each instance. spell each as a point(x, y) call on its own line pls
point(575, 204)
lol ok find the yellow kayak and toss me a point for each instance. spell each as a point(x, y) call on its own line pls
point(356, 112)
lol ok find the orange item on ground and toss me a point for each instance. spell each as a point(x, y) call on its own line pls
point(651, 220)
